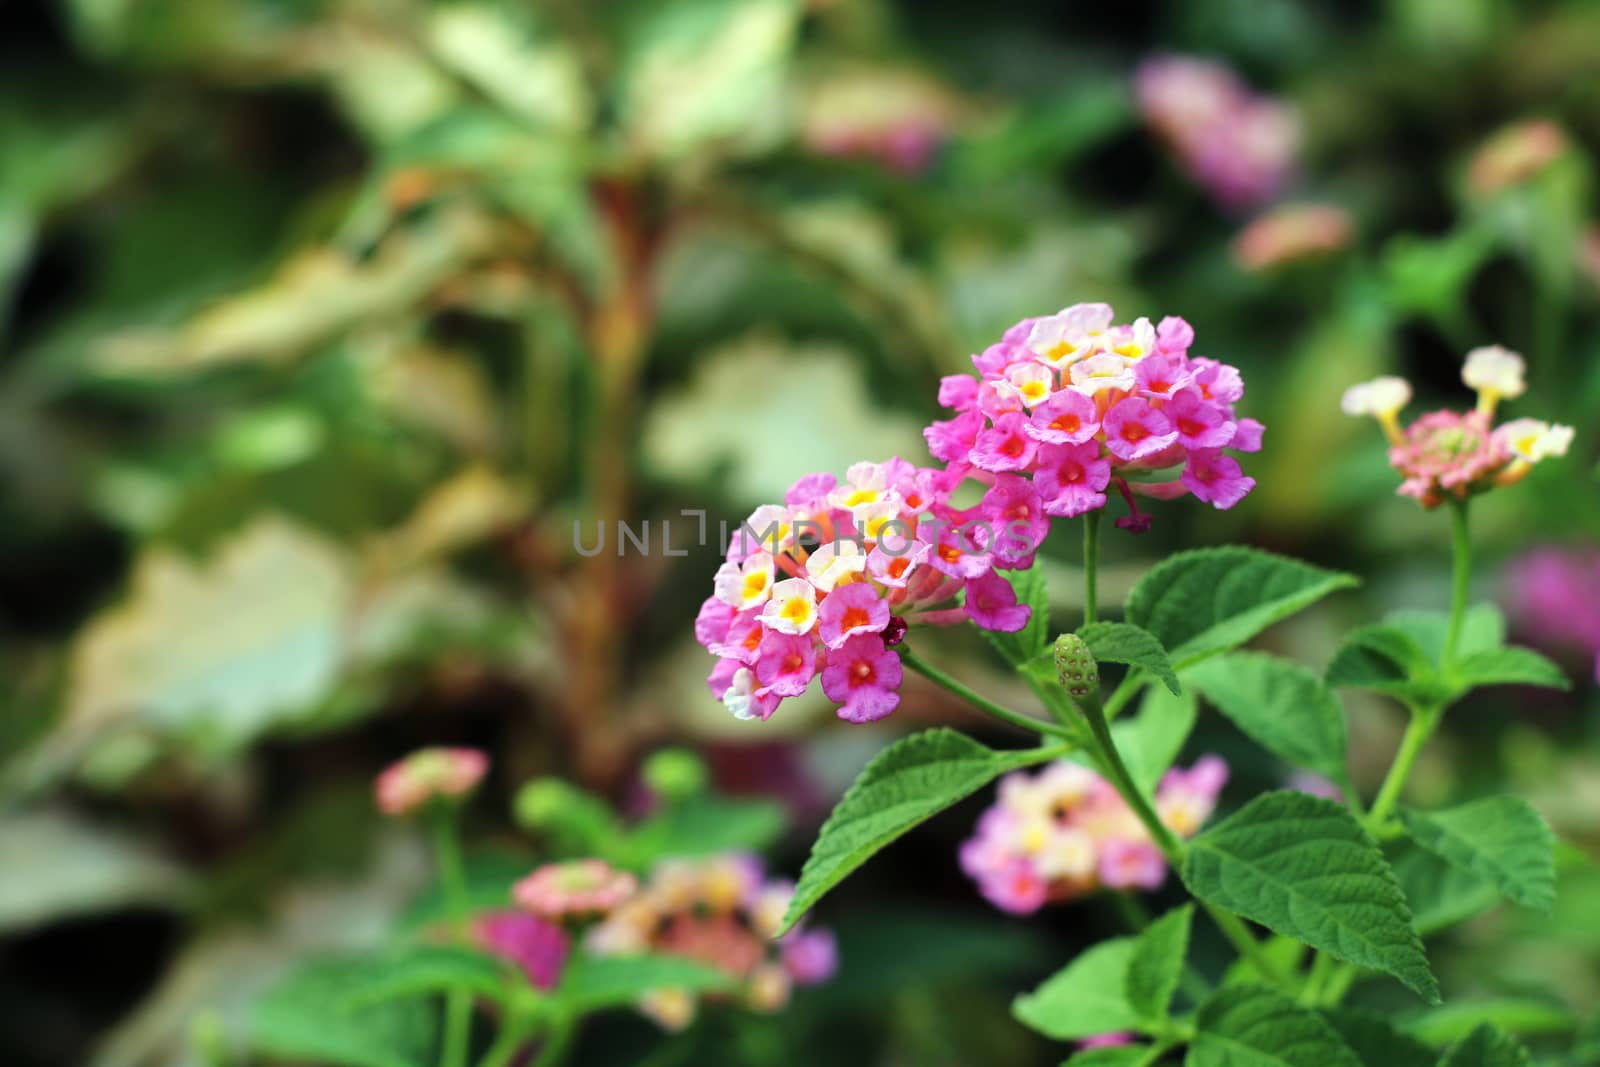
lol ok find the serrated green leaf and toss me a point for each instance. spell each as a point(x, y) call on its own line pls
point(1031, 641)
point(1376, 1041)
point(307, 1017)
point(1251, 1026)
point(1123, 642)
point(911, 780)
point(1303, 867)
point(1157, 963)
point(420, 970)
point(1086, 997)
point(1282, 706)
point(1205, 601)
point(1507, 666)
point(1386, 659)
point(595, 983)
point(1439, 894)
point(1151, 740)
point(1487, 1047)
point(1482, 627)
point(1501, 839)
point(1457, 1020)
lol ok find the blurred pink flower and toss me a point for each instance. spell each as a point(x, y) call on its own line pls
point(540, 948)
point(573, 890)
point(1554, 597)
point(445, 774)
point(1239, 145)
point(1290, 234)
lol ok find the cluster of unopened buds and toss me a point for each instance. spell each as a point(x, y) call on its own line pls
point(723, 912)
point(1064, 832)
point(1456, 454)
point(1240, 145)
point(1062, 408)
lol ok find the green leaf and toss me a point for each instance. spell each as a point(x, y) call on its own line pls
point(911, 780)
point(1440, 894)
point(1376, 1042)
point(1115, 1056)
point(309, 1017)
point(1157, 963)
point(1123, 642)
point(419, 970)
point(1151, 740)
point(595, 983)
point(1507, 666)
point(1205, 601)
point(1487, 1047)
point(1386, 659)
point(1281, 706)
point(1086, 997)
point(1517, 1015)
point(1500, 839)
point(1029, 642)
point(1252, 1026)
point(1482, 627)
point(1303, 867)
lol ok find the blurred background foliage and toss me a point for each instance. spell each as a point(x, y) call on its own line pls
point(329, 327)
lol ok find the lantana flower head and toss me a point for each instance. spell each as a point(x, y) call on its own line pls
point(1553, 593)
point(722, 911)
point(827, 583)
point(540, 948)
point(1446, 454)
point(575, 889)
point(431, 774)
point(1064, 832)
point(1292, 233)
point(1238, 144)
point(1105, 405)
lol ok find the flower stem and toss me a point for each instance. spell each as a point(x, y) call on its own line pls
point(554, 1049)
point(1232, 927)
point(452, 878)
point(1424, 720)
point(982, 703)
point(1091, 565)
point(1461, 577)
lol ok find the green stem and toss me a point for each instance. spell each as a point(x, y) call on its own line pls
point(1461, 577)
point(453, 879)
point(982, 703)
point(554, 1049)
point(1125, 691)
point(1423, 722)
point(1232, 927)
point(1321, 970)
point(1091, 565)
point(513, 1033)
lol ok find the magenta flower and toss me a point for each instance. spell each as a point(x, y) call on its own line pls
point(1013, 508)
point(576, 889)
point(1005, 446)
point(992, 604)
point(810, 956)
point(1199, 424)
point(862, 677)
point(1554, 598)
point(850, 610)
point(1072, 478)
point(447, 775)
point(1067, 417)
point(1017, 888)
point(787, 662)
point(1135, 429)
point(538, 947)
point(1214, 477)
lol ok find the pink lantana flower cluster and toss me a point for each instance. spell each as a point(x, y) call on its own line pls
point(1240, 145)
point(429, 775)
point(1446, 454)
point(1067, 405)
point(574, 890)
point(724, 912)
point(1064, 832)
point(537, 946)
point(827, 582)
